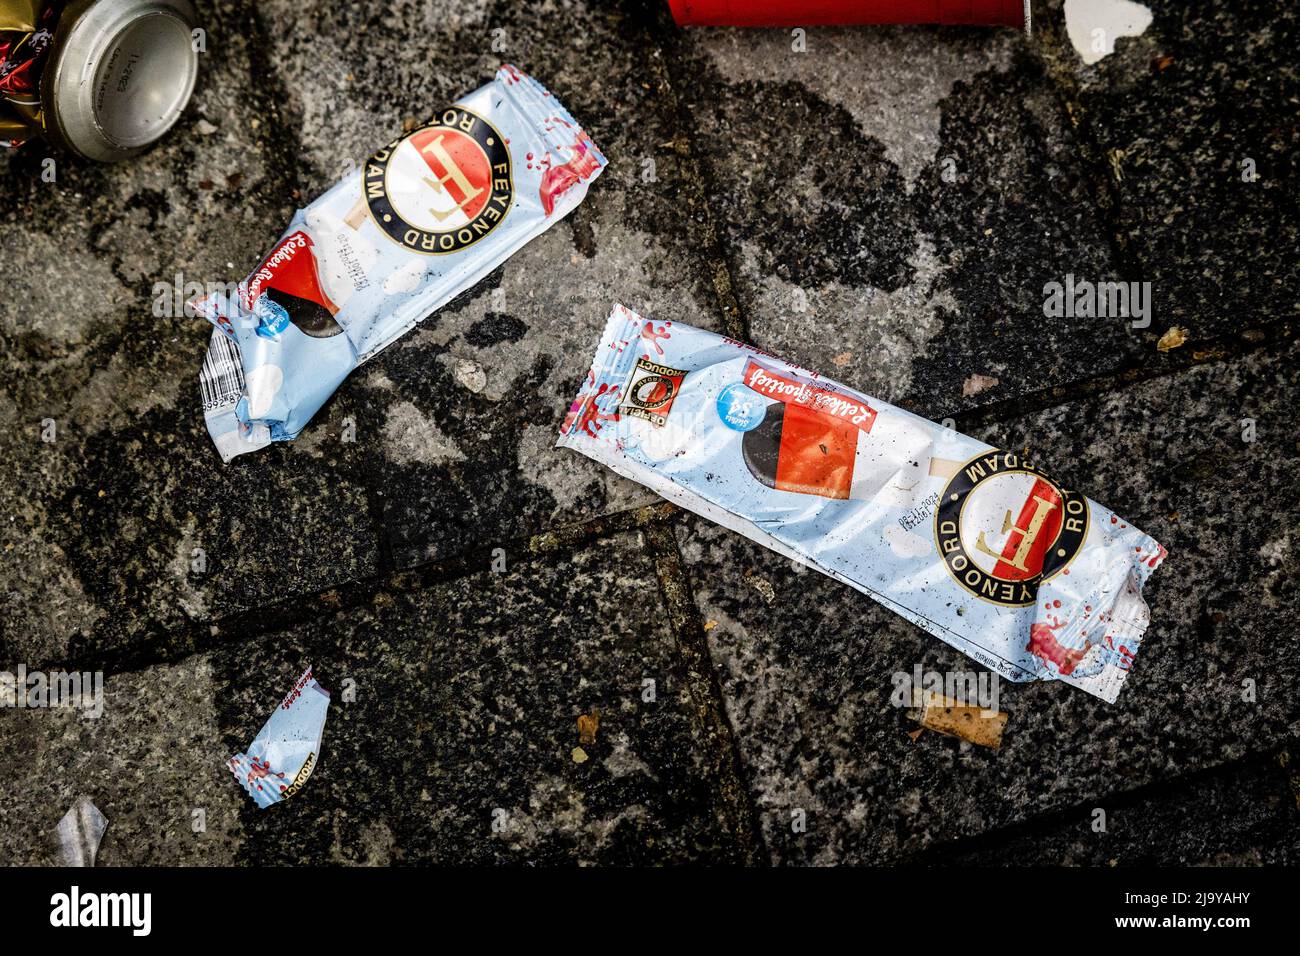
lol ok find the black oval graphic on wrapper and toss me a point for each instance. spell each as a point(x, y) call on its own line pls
point(310, 317)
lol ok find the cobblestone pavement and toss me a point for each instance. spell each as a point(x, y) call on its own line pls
point(886, 206)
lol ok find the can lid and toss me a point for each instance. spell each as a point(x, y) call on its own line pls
point(120, 75)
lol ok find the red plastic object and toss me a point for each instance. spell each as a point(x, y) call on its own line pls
point(807, 13)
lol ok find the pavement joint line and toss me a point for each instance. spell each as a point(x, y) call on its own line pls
point(1270, 759)
point(1214, 350)
point(166, 647)
point(735, 323)
point(705, 690)
point(319, 604)
point(1053, 52)
point(285, 137)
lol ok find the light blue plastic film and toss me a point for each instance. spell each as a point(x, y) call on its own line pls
point(422, 220)
point(973, 544)
point(287, 748)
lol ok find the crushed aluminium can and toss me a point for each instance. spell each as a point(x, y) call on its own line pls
point(104, 78)
point(974, 544)
point(287, 748)
point(422, 220)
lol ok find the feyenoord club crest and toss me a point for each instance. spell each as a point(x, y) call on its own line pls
point(1003, 528)
point(443, 187)
point(651, 391)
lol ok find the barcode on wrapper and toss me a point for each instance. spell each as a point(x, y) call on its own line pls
point(222, 377)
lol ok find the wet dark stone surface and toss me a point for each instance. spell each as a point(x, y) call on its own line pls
point(1244, 816)
point(110, 483)
point(905, 269)
point(807, 665)
point(460, 742)
point(1185, 115)
point(886, 206)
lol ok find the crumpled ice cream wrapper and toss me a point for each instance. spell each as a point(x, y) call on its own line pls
point(425, 218)
point(287, 748)
point(975, 544)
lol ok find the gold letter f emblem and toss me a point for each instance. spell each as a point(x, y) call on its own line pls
point(1042, 508)
point(454, 173)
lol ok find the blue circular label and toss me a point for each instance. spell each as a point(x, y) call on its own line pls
point(740, 407)
point(273, 318)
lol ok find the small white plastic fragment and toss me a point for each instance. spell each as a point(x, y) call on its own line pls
point(1094, 25)
point(80, 831)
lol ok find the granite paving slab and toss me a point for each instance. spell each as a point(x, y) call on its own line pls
point(807, 666)
point(124, 528)
point(1195, 125)
point(893, 203)
point(451, 737)
point(119, 523)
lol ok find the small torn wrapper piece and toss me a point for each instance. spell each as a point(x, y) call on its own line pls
point(974, 544)
point(80, 831)
point(969, 722)
point(287, 748)
point(422, 220)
